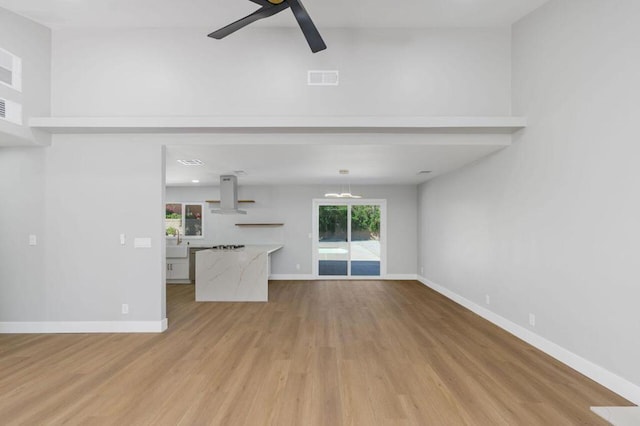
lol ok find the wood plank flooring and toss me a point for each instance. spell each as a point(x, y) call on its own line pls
point(319, 353)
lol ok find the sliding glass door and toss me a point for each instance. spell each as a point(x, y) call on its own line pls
point(365, 240)
point(348, 238)
point(333, 240)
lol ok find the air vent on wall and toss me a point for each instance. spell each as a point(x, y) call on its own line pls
point(10, 111)
point(323, 78)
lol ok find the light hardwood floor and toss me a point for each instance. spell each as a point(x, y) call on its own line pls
point(319, 353)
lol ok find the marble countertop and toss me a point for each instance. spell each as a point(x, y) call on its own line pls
point(269, 248)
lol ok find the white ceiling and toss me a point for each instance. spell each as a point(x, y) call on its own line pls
point(319, 164)
point(326, 13)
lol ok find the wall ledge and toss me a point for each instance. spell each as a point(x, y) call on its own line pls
point(611, 381)
point(14, 135)
point(68, 327)
point(278, 124)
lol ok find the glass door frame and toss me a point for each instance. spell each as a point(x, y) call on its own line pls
point(316, 232)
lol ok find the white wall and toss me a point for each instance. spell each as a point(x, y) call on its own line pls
point(147, 72)
point(97, 189)
point(551, 225)
point(22, 176)
point(77, 197)
point(22, 276)
point(32, 43)
point(292, 205)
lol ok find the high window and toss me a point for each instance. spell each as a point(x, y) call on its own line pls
point(10, 70)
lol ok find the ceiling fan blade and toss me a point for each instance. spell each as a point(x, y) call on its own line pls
point(263, 12)
point(306, 25)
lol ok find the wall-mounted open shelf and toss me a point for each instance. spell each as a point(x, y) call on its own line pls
point(240, 201)
point(259, 224)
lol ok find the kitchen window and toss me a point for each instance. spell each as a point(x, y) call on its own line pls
point(184, 220)
point(10, 70)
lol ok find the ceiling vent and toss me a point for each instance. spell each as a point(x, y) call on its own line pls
point(323, 78)
point(10, 111)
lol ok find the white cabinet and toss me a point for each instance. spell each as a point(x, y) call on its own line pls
point(178, 269)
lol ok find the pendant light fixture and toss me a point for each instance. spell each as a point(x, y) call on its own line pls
point(343, 193)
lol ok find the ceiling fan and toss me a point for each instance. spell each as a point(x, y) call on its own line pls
point(270, 8)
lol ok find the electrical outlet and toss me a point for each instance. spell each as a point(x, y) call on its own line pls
point(421, 270)
point(297, 266)
point(532, 320)
point(125, 308)
point(487, 299)
point(33, 240)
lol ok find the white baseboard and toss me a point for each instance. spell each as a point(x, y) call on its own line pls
point(310, 277)
point(179, 282)
point(67, 327)
point(401, 277)
point(599, 374)
point(291, 277)
point(619, 416)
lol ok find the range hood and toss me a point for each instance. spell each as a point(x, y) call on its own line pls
point(228, 196)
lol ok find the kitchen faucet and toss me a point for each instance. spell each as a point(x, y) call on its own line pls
point(178, 241)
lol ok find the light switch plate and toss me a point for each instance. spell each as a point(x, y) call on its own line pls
point(33, 240)
point(142, 242)
point(123, 239)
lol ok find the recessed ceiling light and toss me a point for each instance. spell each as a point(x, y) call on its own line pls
point(195, 181)
point(424, 172)
point(191, 162)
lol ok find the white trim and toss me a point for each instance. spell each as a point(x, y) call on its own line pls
point(52, 327)
point(599, 374)
point(311, 277)
point(401, 277)
point(291, 277)
point(343, 278)
point(325, 124)
point(619, 416)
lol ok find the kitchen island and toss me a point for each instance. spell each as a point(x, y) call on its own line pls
point(237, 275)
